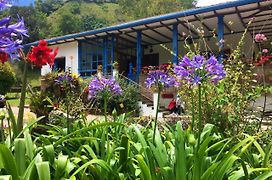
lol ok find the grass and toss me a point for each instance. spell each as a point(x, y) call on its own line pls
point(15, 102)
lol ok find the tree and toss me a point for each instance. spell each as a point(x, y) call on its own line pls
point(90, 22)
point(69, 23)
point(146, 8)
point(34, 21)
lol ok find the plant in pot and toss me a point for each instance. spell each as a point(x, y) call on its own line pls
point(2, 101)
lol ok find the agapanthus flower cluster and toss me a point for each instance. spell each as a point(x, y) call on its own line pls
point(104, 85)
point(11, 35)
point(67, 81)
point(159, 79)
point(198, 70)
point(4, 4)
point(260, 37)
point(42, 55)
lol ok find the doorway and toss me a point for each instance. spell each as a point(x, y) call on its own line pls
point(59, 64)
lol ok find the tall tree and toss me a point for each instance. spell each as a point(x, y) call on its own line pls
point(34, 21)
point(145, 8)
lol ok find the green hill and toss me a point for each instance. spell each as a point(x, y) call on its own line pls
point(75, 17)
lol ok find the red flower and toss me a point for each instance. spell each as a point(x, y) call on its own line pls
point(263, 60)
point(41, 55)
point(3, 57)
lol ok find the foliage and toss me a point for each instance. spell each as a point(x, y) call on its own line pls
point(59, 90)
point(146, 8)
point(7, 77)
point(126, 102)
point(34, 21)
point(112, 150)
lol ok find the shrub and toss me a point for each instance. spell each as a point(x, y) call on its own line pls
point(7, 77)
point(126, 102)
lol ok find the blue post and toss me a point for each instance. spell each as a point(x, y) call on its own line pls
point(139, 52)
point(79, 57)
point(220, 35)
point(105, 55)
point(112, 48)
point(175, 44)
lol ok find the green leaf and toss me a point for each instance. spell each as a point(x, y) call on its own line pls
point(29, 145)
point(8, 162)
point(145, 171)
point(85, 130)
point(267, 155)
point(43, 170)
point(99, 162)
point(180, 153)
point(124, 153)
point(263, 176)
point(19, 153)
point(61, 164)
point(13, 120)
point(49, 153)
point(6, 177)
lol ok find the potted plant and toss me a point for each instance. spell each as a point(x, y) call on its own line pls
point(2, 101)
point(115, 65)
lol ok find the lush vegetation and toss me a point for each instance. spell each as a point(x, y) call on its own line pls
point(51, 18)
point(7, 78)
point(220, 141)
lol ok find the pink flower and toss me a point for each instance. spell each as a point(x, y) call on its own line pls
point(260, 38)
point(265, 50)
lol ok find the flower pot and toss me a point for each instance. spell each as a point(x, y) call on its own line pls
point(2, 103)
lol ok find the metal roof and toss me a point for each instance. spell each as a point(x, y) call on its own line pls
point(254, 14)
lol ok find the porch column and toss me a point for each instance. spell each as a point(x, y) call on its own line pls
point(105, 55)
point(79, 68)
point(175, 44)
point(220, 35)
point(112, 48)
point(139, 52)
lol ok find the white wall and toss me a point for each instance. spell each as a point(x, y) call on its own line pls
point(70, 52)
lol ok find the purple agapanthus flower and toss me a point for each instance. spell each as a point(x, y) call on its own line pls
point(11, 35)
point(4, 4)
point(104, 85)
point(159, 79)
point(199, 69)
point(64, 78)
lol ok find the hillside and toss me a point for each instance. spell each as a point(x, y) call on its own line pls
point(84, 16)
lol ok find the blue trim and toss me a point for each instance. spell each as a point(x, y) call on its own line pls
point(139, 52)
point(220, 36)
point(175, 43)
point(152, 20)
point(105, 55)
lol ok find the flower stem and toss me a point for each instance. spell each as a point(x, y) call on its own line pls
point(105, 108)
point(265, 99)
point(22, 100)
point(193, 110)
point(156, 117)
point(199, 127)
point(199, 114)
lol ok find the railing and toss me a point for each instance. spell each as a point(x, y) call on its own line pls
point(146, 93)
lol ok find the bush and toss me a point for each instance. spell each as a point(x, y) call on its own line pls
point(7, 78)
point(126, 102)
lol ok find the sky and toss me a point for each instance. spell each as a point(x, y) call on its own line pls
point(199, 4)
